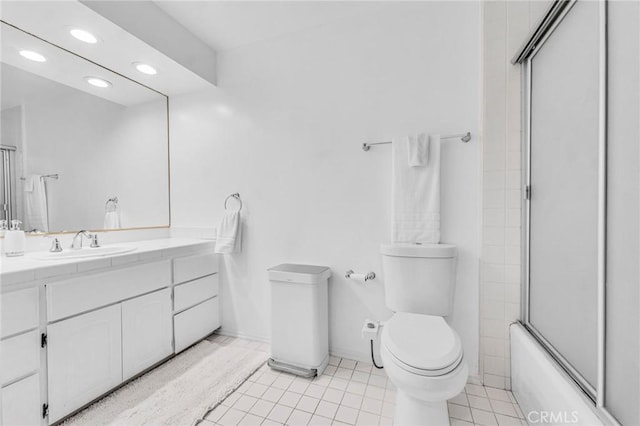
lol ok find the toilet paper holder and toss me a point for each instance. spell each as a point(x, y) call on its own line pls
point(367, 277)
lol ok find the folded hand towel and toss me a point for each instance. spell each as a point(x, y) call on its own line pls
point(29, 182)
point(416, 195)
point(418, 149)
point(112, 220)
point(228, 239)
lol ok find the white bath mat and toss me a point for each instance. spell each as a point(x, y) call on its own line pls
point(180, 391)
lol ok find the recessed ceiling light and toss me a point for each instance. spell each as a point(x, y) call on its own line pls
point(145, 68)
point(98, 82)
point(31, 55)
point(83, 35)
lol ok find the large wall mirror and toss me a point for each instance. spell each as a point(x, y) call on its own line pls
point(82, 147)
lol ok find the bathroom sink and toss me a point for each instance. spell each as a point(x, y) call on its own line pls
point(84, 252)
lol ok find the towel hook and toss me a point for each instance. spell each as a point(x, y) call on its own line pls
point(236, 196)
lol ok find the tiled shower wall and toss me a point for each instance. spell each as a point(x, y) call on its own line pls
point(506, 25)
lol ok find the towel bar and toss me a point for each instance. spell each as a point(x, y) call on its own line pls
point(464, 137)
point(54, 176)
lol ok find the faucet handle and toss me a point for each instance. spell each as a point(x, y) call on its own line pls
point(94, 241)
point(56, 247)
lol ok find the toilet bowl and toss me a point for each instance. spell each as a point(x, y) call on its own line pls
point(422, 354)
point(423, 358)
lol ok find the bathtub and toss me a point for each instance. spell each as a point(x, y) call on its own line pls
point(546, 394)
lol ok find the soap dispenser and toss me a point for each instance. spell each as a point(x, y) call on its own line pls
point(3, 227)
point(14, 240)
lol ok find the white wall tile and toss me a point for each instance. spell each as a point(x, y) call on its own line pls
point(505, 26)
point(494, 218)
point(493, 347)
point(493, 254)
point(512, 273)
point(494, 199)
point(514, 160)
point(494, 365)
point(493, 291)
point(494, 235)
point(491, 272)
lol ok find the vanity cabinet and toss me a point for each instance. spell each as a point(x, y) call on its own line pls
point(146, 331)
point(196, 304)
point(21, 402)
point(20, 358)
point(84, 357)
point(69, 339)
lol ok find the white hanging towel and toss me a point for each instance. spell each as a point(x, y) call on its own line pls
point(229, 233)
point(112, 219)
point(35, 203)
point(416, 194)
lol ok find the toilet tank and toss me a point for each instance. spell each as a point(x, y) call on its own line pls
point(419, 278)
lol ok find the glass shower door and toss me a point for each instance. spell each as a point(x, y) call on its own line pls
point(7, 183)
point(565, 196)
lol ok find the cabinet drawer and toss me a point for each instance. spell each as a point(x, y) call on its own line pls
point(70, 297)
point(19, 311)
point(196, 323)
point(21, 403)
point(192, 267)
point(20, 356)
point(194, 292)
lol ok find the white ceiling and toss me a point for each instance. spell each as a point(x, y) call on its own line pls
point(228, 24)
point(117, 49)
point(64, 68)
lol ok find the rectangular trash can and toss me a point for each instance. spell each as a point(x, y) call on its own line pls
point(299, 318)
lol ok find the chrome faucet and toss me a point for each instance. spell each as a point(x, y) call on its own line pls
point(76, 244)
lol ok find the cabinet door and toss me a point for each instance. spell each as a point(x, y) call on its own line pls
point(147, 331)
point(84, 359)
point(21, 403)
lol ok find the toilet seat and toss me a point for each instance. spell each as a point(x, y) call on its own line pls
point(422, 344)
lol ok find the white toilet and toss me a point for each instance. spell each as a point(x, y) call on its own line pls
point(422, 354)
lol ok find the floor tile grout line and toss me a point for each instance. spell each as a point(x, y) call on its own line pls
point(477, 391)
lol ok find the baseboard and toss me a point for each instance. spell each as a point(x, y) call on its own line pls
point(349, 354)
point(232, 333)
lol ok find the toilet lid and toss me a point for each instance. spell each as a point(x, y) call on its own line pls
point(423, 343)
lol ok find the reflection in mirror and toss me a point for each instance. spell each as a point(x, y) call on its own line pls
point(76, 155)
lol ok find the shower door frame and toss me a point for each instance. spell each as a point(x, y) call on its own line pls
point(552, 19)
point(8, 187)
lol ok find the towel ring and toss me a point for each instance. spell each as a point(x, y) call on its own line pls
point(236, 196)
point(113, 200)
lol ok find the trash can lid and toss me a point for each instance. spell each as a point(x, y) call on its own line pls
point(302, 274)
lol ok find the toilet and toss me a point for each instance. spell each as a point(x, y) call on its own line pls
point(421, 353)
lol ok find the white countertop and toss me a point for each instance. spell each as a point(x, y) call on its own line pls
point(16, 270)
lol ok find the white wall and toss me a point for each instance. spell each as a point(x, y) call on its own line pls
point(284, 129)
point(100, 150)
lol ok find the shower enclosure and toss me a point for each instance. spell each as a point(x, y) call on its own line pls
point(8, 183)
point(581, 209)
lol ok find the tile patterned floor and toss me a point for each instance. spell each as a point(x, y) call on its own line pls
point(348, 393)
